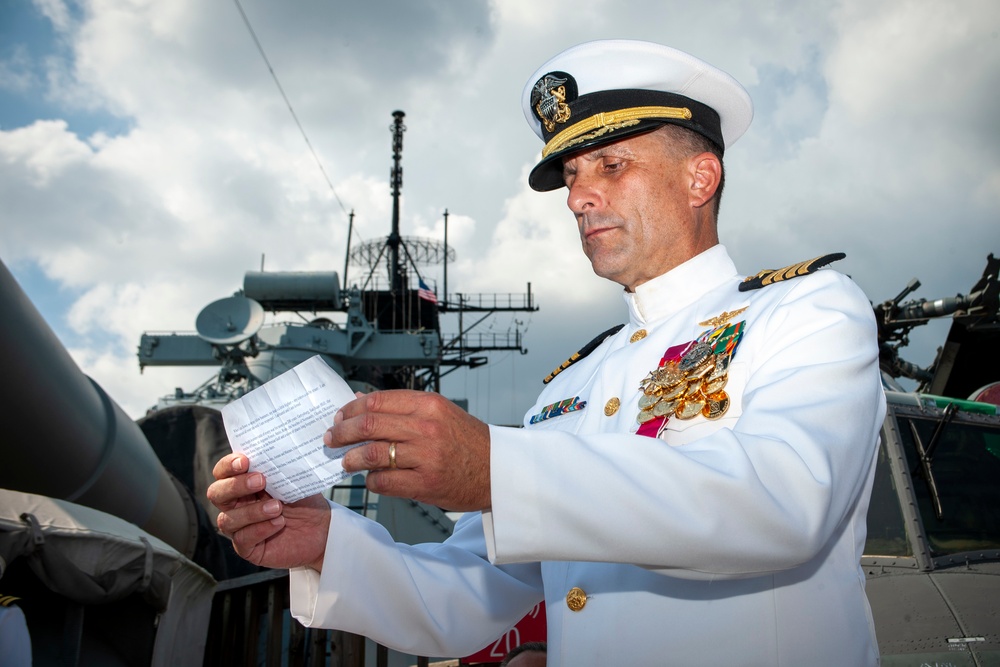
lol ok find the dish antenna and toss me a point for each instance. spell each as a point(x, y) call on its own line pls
point(230, 321)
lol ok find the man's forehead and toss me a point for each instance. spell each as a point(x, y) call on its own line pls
point(624, 148)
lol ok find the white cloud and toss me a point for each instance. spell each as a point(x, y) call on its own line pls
point(55, 11)
point(15, 71)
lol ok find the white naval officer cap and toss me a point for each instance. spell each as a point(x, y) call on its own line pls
point(603, 91)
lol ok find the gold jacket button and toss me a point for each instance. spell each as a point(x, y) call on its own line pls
point(576, 599)
point(637, 336)
point(611, 407)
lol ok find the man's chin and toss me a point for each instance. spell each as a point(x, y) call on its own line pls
point(615, 274)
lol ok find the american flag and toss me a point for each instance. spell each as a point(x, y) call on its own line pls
point(425, 292)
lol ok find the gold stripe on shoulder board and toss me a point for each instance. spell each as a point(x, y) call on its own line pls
point(584, 351)
point(771, 276)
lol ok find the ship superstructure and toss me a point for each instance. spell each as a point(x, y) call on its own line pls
point(381, 332)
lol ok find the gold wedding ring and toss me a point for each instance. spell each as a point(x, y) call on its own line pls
point(392, 455)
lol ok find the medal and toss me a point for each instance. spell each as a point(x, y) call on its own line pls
point(675, 391)
point(710, 386)
point(664, 377)
point(715, 405)
point(664, 408)
point(645, 416)
point(702, 370)
point(647, 401)
point(691, 377)
point(721, 367)
point(695, 356)
point(690, 408)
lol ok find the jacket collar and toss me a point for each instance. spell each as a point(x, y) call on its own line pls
point(678, 288)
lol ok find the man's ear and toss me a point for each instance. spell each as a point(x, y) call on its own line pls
point(706, 173)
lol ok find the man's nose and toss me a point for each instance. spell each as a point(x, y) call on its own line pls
point(584, 195)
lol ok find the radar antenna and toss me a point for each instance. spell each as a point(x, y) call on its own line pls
point(230, 321)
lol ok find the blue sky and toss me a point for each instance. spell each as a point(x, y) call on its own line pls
point(147, 159)
point(27, 42)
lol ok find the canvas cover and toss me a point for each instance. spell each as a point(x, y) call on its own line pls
point(94, 558)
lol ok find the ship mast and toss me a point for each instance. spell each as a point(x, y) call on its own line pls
point(396, 285)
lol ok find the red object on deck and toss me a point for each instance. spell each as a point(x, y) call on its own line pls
point(531, 628)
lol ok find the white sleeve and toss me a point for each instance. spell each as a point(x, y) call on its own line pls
point(15, 642)
point(761, 494)
point(431, 599)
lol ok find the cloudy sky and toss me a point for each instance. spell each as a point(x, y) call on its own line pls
point(147, 158)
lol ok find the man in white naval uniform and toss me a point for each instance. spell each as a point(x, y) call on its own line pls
point(692, 489)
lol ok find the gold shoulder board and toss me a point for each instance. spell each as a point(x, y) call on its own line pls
point(584, 351)
point(769, 276)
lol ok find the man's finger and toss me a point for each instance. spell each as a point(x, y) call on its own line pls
point(227, 492)
point(238, 518)
point(370, 426)
point(230, 465)
point(247, 539)
point(378, 455)
point(399, 414)
point(390, 401)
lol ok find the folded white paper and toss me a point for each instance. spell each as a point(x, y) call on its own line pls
point(279, 426)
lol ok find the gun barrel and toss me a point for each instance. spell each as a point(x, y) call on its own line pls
point(923, 310)
point(64, 437)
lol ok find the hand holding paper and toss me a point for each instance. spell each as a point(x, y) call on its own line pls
point(279, 426)
point(442, 453)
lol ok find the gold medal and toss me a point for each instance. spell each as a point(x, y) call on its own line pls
point(694, 390)
point(689, 408)
point(645, 416)
point(669, 375)
point(702, 370)
point(651, 389)
point(662, 378)
point(674, 392)
point(664, 408)
point(712, 385)
point(646, 402)
point(716, 405)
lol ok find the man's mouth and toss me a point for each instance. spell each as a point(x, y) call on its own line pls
point(594, 231)
point(591, 225)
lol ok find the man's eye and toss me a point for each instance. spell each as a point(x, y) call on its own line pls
point(613, 165)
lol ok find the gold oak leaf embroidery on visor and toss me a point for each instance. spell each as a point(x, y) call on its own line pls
point(608, 121)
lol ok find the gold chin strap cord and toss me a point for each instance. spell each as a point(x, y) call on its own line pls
point(609, 121)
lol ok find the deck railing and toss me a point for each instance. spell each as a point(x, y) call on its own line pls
point(251, 626)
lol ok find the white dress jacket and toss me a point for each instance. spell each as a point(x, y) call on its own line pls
point(727, 541)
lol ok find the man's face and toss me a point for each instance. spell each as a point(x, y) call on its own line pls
point(632, 206)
